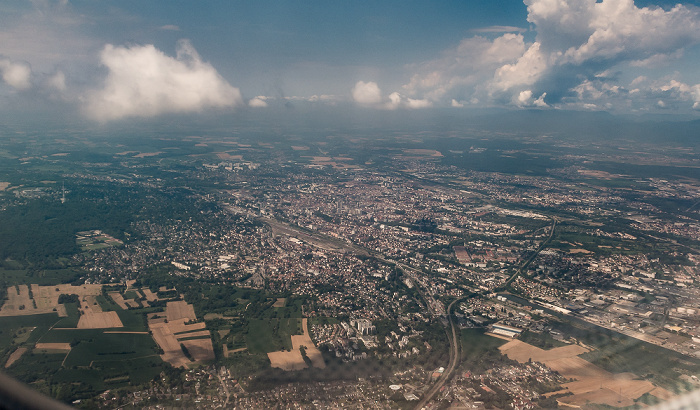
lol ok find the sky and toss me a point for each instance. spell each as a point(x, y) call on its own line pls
point(111, 61)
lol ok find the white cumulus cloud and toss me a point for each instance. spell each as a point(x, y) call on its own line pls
point(528, 69)
point(417, 103)
point(578, 39)
point(144, 82)
point(258, 102)
point(369, 94)
point(464, 69)
point(16, 74)
point(579, 49)
point(621, 30)
point(366, 93)
point(525, 99)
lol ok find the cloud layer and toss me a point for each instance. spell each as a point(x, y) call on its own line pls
point(573, 54)
point(369, 94)
point(578, 40)
point(578, 44)
point(143, 82)
point(258, 102)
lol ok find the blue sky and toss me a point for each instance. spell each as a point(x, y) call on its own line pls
point(114, 60)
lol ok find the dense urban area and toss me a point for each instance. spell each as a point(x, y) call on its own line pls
point(364, 271)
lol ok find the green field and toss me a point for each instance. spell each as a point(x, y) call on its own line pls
point(35, 366)
point(111, 347)
point(107, 304)
point(12, 274)
point(475, 343)
point(93, 246)
point(73, 316)
point(648, 361)
point(542, 340)
point(193, 338)
point(292, 308)
point(47, 374)
point(98, 361)
point(133, 320)
point(478, 351)
point(320, 320)
point(130, 294)
point(17, 330)
point(68, 335)
point(92, 346)
point(270, 335)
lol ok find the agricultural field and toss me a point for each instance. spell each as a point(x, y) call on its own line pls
point(99, 320)
point(15, 273)
point(36, 299)
point(71, 317)
point(95, 240)
point(110, 346)
point(475, 344)
point(93, 345)
point(269, 335)
point(90, 360)
point(182, 344)
point(294, 360)
point(621, 354)
point(15, 356)
point(119, 299)
point(590, 382)
point(180, 310)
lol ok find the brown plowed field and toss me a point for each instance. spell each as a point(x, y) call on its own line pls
point(598, 396)
point(311, 350)
point(517, 350)
point(293, 360)
point(99, 320)
point(164, 334)
point(45, 297)
point(119, 300)
point(200, 349)
point(180, 310)
point(172, 353)
point(15, 356)
point(287, 360)
point(179, 325)
point(90, 304)
point(150, 296)
point(53, 346)
point(592, 384)
point(193, 334)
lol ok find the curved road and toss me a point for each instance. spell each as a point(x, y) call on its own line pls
point(454, 342)
point(454, 360)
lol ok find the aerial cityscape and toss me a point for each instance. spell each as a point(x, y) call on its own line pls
point(366, 270)
point(366, 205)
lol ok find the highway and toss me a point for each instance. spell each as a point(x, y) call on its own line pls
point(454, 341)
point(454, 361)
